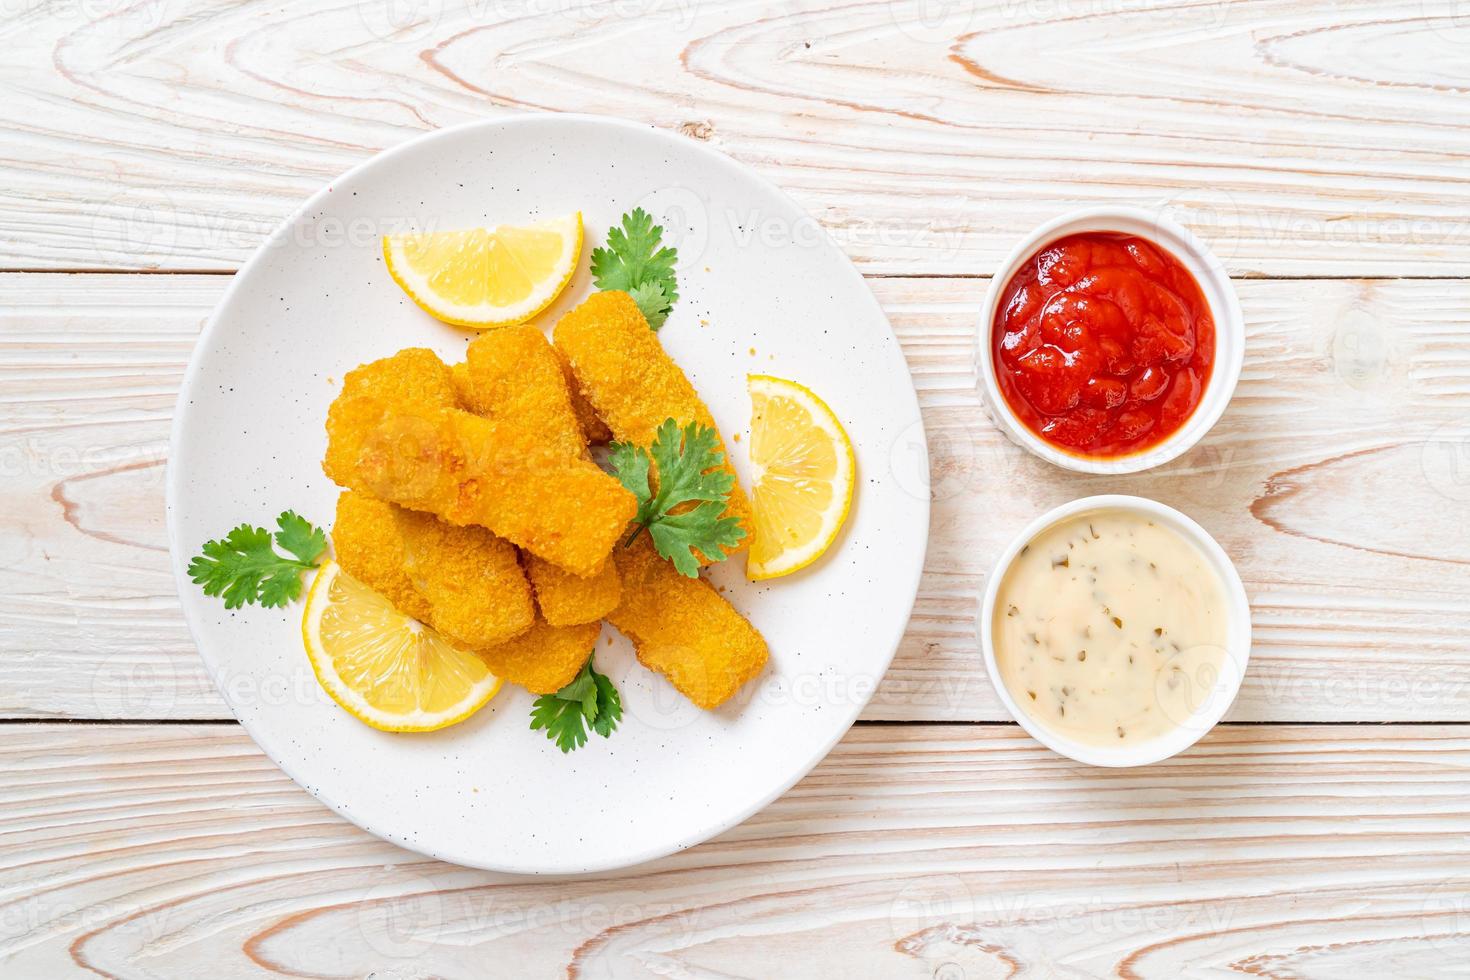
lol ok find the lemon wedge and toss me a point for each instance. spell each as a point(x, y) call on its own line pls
point(486, 277)
point(383, 667)
point(804, 474)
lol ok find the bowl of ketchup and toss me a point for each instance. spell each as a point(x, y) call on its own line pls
point(1110, 342)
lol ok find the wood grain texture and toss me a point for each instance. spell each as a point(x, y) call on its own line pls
point(926, 137)
point(951, 852)
point(1339, 480)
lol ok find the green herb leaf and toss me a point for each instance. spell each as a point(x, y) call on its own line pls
point(300, 537)
point(653, 302)
point(611, 707)
point(562, 721)
point(590, 699)
point(633, 261)
point(631, 464)
point(244, 569)
point(678, 535)
point(689, 469)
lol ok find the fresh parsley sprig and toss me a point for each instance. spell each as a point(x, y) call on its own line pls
point(634, 263)
point(689, 470)
point(244, 568)
point(590, 699)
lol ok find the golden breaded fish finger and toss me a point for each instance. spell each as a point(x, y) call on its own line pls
point(515, 378)
point(623, 371)
point(463, 581)
point(478, 595)
point(459, 376)
point(415, 375)
point(368, 546)
point(570, 600)
point(389, 434)
point(684, 629)
point(545, 658)
point(594, 431)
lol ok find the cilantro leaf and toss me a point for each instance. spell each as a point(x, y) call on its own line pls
point(653, 302)
point(631, 464)
point(562, 721)
point(582, 691)
point(690, 469)
point(677, 536)
point(590, 699)
point(634, 262)
point(298, 536)
point(611, 706)
point(244, 569)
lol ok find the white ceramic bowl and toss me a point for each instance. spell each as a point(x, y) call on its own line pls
point(1214, 282)
point(1213, 698)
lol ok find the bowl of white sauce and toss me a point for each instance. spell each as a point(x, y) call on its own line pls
point(1116, 630)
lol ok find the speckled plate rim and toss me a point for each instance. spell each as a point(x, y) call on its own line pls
point(905, 576)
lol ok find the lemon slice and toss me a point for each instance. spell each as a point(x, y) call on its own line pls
point(486, 277)
point(383, 667)
point(804, 473)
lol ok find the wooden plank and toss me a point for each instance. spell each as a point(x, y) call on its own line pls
point(912, 851)
point(89, 620)
point(924, 137)
point(1338, 480)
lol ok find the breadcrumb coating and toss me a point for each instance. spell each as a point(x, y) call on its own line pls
point(594, 430)
point(684, 629)
point(514, 377)
point(632, 383)
point(395, 432)
point(545, 658)
point(459, 376)
point(365, 538)
point(569, 600)
point(414, 374)
point(477, 593)
point(463, 581)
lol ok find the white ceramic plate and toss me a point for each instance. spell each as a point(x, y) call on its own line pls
point(762, 291)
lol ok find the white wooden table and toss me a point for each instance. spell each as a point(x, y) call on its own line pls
point(1324, 152)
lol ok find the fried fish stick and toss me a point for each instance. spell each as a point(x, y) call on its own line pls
point(369, 548)
point(623, 371)
point(477, 593)
point(414, 375)
point(463, 581)
point(684, 629)
point(545, 658)
point(459, 376)
point(396, 433)
point(594, 431)
point(570, 600)
point(514, 376)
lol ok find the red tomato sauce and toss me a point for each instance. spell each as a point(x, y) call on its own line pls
point(1103, 344)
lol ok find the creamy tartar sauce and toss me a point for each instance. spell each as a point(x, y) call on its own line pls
point(1107, 626)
